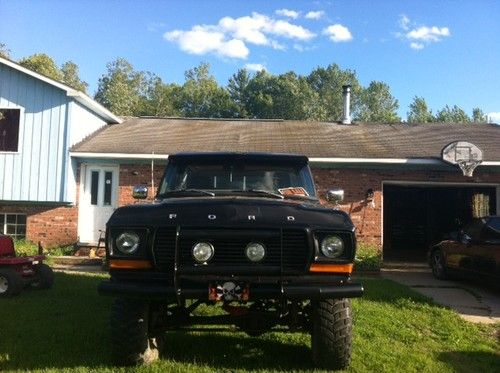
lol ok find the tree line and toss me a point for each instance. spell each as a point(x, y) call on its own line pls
point(259, 95)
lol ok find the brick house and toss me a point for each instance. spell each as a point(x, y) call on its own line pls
point(66, 163)
point(40, 119)
point(399, 192)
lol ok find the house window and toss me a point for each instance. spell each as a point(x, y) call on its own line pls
point(14, 225)
point(9, 129)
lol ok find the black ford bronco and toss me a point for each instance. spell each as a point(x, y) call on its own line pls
point(244, 233)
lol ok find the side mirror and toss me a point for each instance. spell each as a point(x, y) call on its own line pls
point(140, 192)
point(465, 239)
point(335, 196)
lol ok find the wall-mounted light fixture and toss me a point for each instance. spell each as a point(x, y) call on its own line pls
point(370, 197)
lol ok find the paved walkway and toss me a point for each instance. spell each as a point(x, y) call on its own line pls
point(473, 302)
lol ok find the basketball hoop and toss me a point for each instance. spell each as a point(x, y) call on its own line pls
point(464, 154)
point(468, 167)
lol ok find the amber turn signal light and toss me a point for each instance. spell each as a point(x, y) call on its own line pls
point(129, 264)
point(331, 268)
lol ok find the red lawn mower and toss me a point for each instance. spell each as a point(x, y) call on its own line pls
point(17, 272)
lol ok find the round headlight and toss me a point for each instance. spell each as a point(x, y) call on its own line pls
point(203, 252)
point(255, 252)
point(332, 247)
point(127, 242)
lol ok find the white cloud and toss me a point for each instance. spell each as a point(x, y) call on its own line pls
point(277, 46)
point(338, 33)
point(416, 46)
point(419, 37)
point(255, 66)
point(288, 13)
point(201, 40)
point(429, 34)
point(304, 48)
point(249, 29)
point(494, 117)
point(315, 14)
point(404, 22)
point(288, 30)
point(229, 37)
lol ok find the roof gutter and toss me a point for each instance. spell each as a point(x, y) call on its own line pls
point(117, 155)
point(409, 161)
point(312, 160)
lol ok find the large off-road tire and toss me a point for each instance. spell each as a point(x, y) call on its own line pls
point(11, 282)
point(331, 334)
point(438, 265)
point(44, 277)
point(131, 341)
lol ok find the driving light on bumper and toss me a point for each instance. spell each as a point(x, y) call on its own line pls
point(332, 247)
point(255, 252)
point(127, 242)
point(203, 252)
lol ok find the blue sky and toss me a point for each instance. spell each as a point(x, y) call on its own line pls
point(445, 51)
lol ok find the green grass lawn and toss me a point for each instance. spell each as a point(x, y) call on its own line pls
point(396, 330)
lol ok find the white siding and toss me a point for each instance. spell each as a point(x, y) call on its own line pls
point(82, 123)
point(41, 170)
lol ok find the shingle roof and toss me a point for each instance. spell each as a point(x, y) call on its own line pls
point(313, 139)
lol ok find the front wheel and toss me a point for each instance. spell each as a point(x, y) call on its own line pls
point(11, 282)
point(331, 334)
point(44, 277)
point(131, 341)
point(437, 265)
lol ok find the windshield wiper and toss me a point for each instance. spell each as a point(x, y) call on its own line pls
point(186, 192)
point(261, 191)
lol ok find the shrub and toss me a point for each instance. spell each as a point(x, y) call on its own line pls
point(27, 248)
point(368, 258)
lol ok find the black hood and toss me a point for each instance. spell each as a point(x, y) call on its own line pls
point(232, 211)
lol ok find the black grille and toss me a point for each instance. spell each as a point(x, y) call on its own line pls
point(230, 246)
point(286, 249)
point(296, 252)
point(164, 248)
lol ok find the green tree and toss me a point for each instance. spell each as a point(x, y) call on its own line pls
point(285, 96)
point(120, 89)
point(378, 104)
point(159, 99)
point(42, 64)
point(4, 51)
point(454, 114)
point(238, 91)
point(327, 83)
point(478, 116)
point(71, 77)
point(419, 111)
point(202, 97)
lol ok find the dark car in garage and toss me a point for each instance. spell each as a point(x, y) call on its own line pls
point(472, 251)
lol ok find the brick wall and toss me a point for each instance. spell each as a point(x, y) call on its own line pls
point(138, 174)
point(51, 224)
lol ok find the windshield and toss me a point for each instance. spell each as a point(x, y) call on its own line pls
point(220, 178)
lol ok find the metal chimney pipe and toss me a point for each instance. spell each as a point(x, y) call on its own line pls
point(346, 92)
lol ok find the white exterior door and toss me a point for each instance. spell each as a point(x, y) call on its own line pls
point(98, 200)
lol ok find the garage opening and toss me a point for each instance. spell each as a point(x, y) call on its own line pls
point(416, 217)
